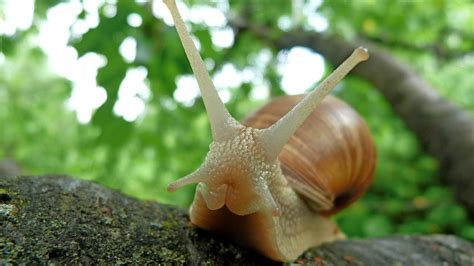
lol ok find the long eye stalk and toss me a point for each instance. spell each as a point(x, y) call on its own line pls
point(220, 119)
point(275, 137)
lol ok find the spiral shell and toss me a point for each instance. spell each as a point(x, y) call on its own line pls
point(331, 158)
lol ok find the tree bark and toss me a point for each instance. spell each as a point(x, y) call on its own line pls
point(444, 130)
point(61, 220)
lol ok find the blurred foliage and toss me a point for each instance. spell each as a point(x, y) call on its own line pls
point(171, 138)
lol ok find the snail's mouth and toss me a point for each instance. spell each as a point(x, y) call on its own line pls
point(214, 198)
point(238, 201)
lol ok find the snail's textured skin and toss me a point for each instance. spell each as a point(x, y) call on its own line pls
point(238, 175)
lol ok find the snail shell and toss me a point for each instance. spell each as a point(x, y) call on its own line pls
point(331, 158)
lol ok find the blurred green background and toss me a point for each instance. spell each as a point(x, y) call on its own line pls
point(137, 134)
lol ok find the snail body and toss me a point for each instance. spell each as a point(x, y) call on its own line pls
point(319, 171)
point(271, 182)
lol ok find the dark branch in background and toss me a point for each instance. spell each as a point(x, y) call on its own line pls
point(438, 49)
point(444, 130)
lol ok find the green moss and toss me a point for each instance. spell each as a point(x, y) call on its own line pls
point(78, 222)
point(6, 210)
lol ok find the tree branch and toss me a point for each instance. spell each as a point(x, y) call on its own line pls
point(61, 220)
point(437, 49)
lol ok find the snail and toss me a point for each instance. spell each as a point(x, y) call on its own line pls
point(271, 182)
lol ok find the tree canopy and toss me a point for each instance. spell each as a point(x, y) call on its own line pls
point(140, 152)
